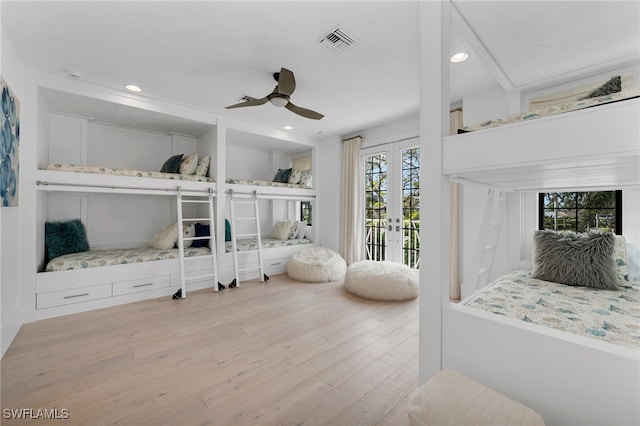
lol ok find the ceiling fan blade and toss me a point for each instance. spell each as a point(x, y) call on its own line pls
point(303, 111)
point(286, 82)
point(250, 103)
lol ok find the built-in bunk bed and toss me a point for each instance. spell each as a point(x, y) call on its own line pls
point(571, 353)
point(109, 178)
point(270, 174)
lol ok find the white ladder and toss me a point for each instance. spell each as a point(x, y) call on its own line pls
point(234, 242)
point(184, 198)
point(489, 234)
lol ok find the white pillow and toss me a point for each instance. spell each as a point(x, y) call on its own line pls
point(189, 164)
point(294, 230)
point(203, 166)
point(305, 177)
point(189, 231)
point(633, 262)
point(301, 229)
point(166, 238)
point(281, 229)
point(295, 175)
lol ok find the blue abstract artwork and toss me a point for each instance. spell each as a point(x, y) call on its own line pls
point(9, 147)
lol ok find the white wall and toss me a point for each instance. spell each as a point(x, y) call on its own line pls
point(328, 176)
point(10, 238)
point(327, 181)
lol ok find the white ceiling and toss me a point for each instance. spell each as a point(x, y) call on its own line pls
point(207, 54)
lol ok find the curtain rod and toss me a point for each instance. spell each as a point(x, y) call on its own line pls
point(352, 137)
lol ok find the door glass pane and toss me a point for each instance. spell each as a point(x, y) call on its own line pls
point(411, 207)
point(375, 206)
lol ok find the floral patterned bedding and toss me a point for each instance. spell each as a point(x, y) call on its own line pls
point(554, 109)
point(94, 258)
point(124, 172)
point(266, 183)
point(610, 316)
point(246, 244)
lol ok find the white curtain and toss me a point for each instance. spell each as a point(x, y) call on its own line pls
point(352, 212)
point(455, 122)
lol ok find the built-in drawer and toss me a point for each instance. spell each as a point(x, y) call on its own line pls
point(276, 266)
point(75, 295)
point(143, 284)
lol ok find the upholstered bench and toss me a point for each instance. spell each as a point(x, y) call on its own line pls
point(316, 265)
point(449, 399)
point(386, 281)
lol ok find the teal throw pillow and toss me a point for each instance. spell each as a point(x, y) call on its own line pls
point(64, 238)
point(172, 165)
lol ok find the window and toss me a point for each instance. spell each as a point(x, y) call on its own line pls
point(305, 211)
point(581, 211)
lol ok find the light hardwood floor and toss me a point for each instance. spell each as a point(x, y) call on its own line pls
point(283, 352)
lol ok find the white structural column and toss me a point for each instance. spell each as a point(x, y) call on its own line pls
point(434, 222)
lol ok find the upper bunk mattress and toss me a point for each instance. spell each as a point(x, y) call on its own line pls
point(124, 172)
point(95, 258)
point(266, 183)
point(610, 316)
point(630, 93)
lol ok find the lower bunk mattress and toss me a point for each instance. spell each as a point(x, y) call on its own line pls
point(265, 183)
point(248, 244)
point(95, 258)
point(606, 315)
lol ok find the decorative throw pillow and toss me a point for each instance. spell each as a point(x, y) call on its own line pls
point(64, 238)
point(301, 229)
point(172, 165)
point(188, 231)
point(620, 259)
point(278, 176)
point(189, 164)
point(201, 230)
point(285, 175)
point(584, 259)
point(305, 177)
point(166, 238)
point(203, 166)
point(281, 229)
point(294, 230)
point(294, 177)
point(614, 85)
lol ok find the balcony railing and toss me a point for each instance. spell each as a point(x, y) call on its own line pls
point(375, 241)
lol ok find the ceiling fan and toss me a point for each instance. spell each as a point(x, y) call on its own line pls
point(280, 96)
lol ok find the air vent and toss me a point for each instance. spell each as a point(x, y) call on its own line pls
point(246, 98)
point(337, 41)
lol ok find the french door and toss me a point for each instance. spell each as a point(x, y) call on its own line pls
point(392, 202)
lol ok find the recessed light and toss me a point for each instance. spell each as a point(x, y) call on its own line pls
point(133, 88)
point(288, 128)
point(459, 57)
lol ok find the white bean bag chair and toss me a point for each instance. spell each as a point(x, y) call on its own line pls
point(386, 281)
point(316, 265)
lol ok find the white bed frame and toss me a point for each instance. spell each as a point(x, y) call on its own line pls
point(275, 259)
point(568, 379)
point(66, 292)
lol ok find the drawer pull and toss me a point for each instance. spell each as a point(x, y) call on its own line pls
point(142, 285)
point(75, 295)
point(276, 264)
